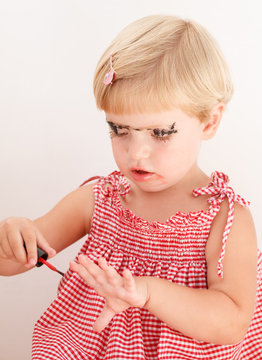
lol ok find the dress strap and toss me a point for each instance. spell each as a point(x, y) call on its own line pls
point(219, 189)
point(90, 179)
point(118, 185)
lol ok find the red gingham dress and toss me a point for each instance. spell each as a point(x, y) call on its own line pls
point(174, 250)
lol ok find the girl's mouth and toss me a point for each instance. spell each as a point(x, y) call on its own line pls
point(141, 171)
point(141, 175)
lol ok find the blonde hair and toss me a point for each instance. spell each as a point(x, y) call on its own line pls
point(162, 62)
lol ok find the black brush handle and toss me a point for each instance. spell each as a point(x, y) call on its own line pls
point(40, 253)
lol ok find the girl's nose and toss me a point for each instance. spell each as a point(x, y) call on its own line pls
point(139, 147)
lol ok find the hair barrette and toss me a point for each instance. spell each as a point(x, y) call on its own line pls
point(109, 77)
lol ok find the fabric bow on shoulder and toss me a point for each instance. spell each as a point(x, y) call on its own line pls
point(219, 190)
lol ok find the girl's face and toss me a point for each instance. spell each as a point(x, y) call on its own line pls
point(156, 151)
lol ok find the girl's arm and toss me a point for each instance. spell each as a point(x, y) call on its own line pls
point(67, 222)
point(219, 314)
point(222, 313)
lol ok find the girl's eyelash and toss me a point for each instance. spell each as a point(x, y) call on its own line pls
point(114, 129)
point(164, 134)
point(155, 137)
point(162, 138)
point(116, 134)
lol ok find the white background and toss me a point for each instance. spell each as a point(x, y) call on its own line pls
point(52, 137)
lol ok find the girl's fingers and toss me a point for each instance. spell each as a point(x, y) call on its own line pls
point(2, 254)
point(88, 264)
point(30, 245)
point(103, 263)
point(110, 272)
point(93, 269)
point(33, 238)
point(96, 277)
point(43, 244)
point(17, 244)
point(103, 273)
point(19, 238)
point(7, 249)
point(83, 273)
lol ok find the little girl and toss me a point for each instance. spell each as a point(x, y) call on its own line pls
point(170, 267)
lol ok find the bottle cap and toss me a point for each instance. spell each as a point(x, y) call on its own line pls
point(41, 254)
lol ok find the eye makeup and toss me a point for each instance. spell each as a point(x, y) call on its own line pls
point(165, 132)
point(117, 129)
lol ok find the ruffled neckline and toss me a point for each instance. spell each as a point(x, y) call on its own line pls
point(178, 219)
point(116, 185)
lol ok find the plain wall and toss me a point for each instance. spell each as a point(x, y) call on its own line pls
point(52, 137)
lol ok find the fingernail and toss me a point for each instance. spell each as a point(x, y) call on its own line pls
point(32, 262)
point(52, 252)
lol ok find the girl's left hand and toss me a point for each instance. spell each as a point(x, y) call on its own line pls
point(120, 292)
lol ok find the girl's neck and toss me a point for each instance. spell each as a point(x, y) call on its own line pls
point(159, 206)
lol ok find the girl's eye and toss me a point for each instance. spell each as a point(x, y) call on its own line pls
point(117, 134)
point(161, 135)
point(115, 130)
point(163, 138)
point(164, 134)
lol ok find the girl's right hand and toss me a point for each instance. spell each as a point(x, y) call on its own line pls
point(19, 239)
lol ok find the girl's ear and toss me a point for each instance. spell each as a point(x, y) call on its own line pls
point(210, 127)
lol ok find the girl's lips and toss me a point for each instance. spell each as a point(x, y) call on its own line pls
point(141, 175)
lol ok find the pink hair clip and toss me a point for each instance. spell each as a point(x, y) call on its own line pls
point(110, 75)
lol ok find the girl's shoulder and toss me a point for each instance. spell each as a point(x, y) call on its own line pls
point(115, 182)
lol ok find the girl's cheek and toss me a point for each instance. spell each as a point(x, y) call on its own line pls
point(165, 149)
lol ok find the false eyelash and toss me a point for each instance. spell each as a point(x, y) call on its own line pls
point(116, 128)
point(166, 138)
point(162, 132)
point(162, 138)
point(113, 134)
point(113, 127)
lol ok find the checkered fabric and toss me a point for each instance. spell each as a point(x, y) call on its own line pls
point(174, 250)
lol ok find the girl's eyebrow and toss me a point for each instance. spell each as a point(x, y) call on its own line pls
point(169, 130)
